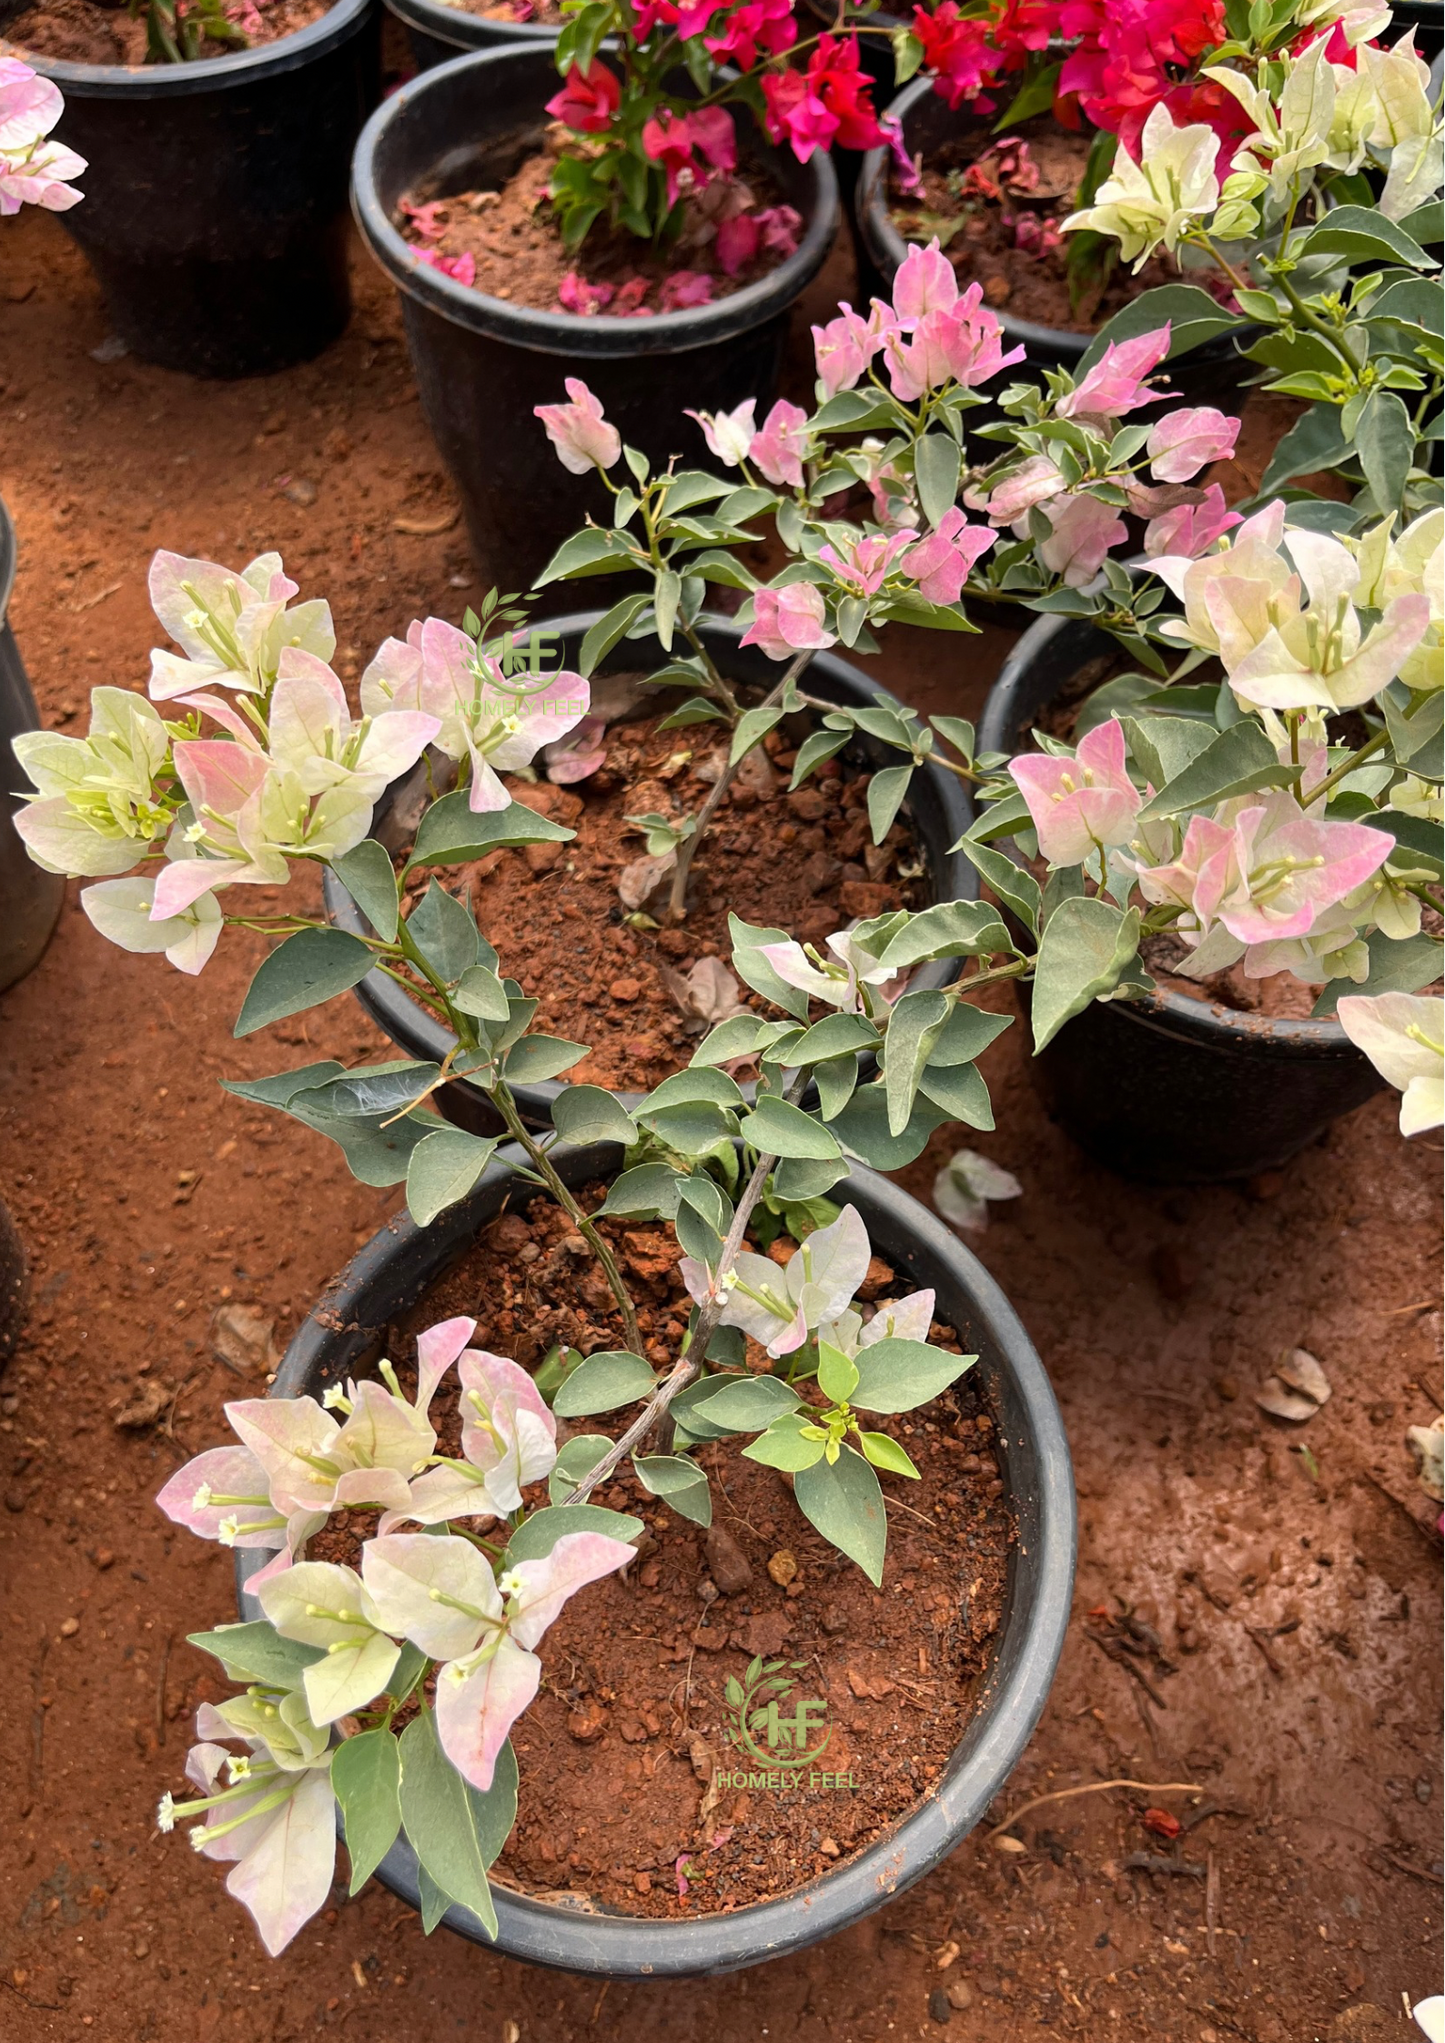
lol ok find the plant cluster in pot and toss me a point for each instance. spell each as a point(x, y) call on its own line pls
point(717, 1268)
point(647, 227)
point(244, 115)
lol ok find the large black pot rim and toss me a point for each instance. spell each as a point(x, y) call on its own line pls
point(561, 333)
point(170, 81)
point(449, 24)
point(1211, 1026)
point(1041, 1568)
point(410, 1026)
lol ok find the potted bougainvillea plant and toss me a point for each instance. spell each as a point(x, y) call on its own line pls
point(1040, 114)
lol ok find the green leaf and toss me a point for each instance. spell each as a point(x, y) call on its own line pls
point(309, 967)
point(602, 1383)
point(590, 553)
point(959, 1091)
point(1035, 97)
point(696, 710)
point(837, 1376)
point(747, 939)
point(863, 1129)
point(836, 1035)
point(967, 1034)
point(739, 1036)
point(1194, 317)
point(913, 1029)
point(257, 1652)
point(434, 1902)
point(453, 834)
point(1086, 946)
point(800, 1181)
point(843, 1500)
point(1165, 745)
point(366, 1779)
point(776, 1128)
point(936, 461)
point(536, 1058)
point(576, 1458)
point(886, 790)
point(278, 1090)
point(1413, 301)
point(885, 1453)
point(454, 1830)
point(679, 1482)
point(1385, 443)
point(480, 992)
point(817, 747)
point(442, 1169)
point(540, 1531)
point(371, 1089)
point(1238, 761)
point(950, 929)
point(752, 726)
point(367, 875)
point(588, 1113)
point(605, 633)
point(898, 1376)
point(748, 1404)
point(1401, 965)
point(1362, 234)
point(444, 930)
point(1014, 886)
point(695, 1083)
point(648, 1189)
point(784, 1446)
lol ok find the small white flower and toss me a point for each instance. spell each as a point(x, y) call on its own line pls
point(511, 1583)
point(202, 1497)
point(166, 1813)
point(228, 1530)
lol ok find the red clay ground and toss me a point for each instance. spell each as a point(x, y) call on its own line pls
point(1299, 1609)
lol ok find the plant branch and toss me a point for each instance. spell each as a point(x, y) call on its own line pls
point(1346, 767)
point(686, 852)
point(689, 1364)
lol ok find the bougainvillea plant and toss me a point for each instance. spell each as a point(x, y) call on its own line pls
point(647, 93)
point(33, 169)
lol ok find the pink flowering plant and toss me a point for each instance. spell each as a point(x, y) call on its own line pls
point(649, 91)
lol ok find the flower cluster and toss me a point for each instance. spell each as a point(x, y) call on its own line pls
point(272, 768)
point(438, 1598)
point(33, 169)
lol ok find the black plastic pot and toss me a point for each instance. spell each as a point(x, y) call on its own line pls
point(937, 806)
point(32, 897)
point(346, 1332)
point(482, 364)
point(1427, 18)
point(1165, 1088)
point(215, 195)
point(438, 32)
point(1212, 374)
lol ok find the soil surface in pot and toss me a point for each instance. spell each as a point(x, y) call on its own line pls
point(506, 244)
point(997, 205)
point(641, 998)
point(1156, 1315)
point(534, 13)
point(86, 32)
point(620, 1805)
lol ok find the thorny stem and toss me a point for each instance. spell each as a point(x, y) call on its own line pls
point(686, 852)
point(689, 1364)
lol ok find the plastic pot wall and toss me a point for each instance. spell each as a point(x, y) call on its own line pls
point(437, 32)
point(1212, 374)
point(937, 806)
point(214, 213)
point(32, 897)
point(1169, 1089)
point(346, 1332)
point(482, 364)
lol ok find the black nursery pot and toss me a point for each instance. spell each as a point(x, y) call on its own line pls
point(482, 363)
point(936, 805)
point(1168, 1089)
point(438, 32)
point(31, 896)
point(1211, 374)
point(345, 1334)
point(214, 213)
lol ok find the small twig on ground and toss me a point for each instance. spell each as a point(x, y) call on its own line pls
point(1091, 1788)
point(1261, 1639)
point(165, 1669)
point(1211, 1898)
point(1111, 1650)
point(1404, 1866)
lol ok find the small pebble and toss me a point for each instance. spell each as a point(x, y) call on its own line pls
point(783, 1566)
point(624, 989)
point(70, 1627)
point(940, 2007)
